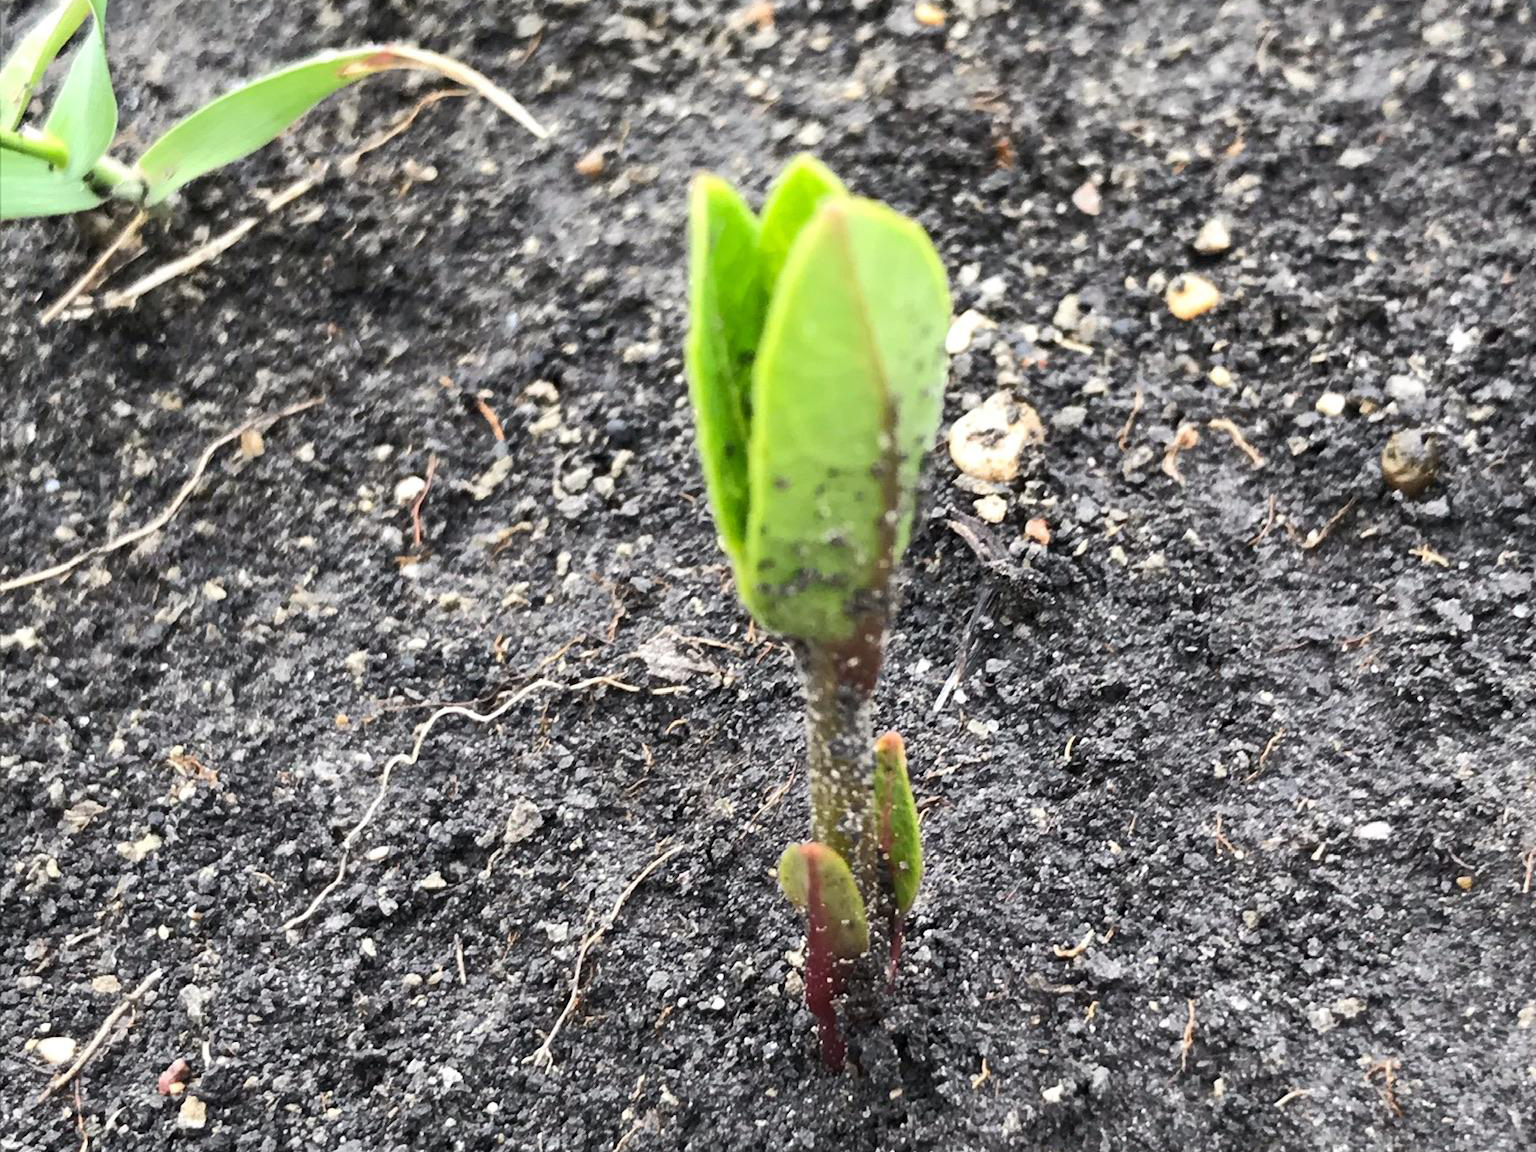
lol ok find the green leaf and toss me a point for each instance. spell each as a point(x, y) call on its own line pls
point(84, 115)
point(36, 49)
point(818, 882)
point(896, 819)
point(792, 201)
point(251, 116)
point(726, 304)
point(846, 392)
point(31, 187)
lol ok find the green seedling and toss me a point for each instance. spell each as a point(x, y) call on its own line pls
point(64, 165)
point(816, 368)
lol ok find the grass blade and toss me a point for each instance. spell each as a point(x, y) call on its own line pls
point(255, 114)
point(84, 115)
point(25, 66)
point(31, 187)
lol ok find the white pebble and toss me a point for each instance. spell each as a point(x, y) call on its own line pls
point(56, 1049)
point(1331, 404)
point(989, 440)
point(192, 1115)
point(409, 488)
point(992, 509)
point(1377, 830)
point(963, 331)
point(1214, 237)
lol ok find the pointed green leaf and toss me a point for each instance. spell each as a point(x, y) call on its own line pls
point(31, 187)
point(726, 304)
point(36, 49)
point(253, 115)
point(818, 882)
point(846, 392)
point(896, 818)
point(792, 201)
point(84, 115)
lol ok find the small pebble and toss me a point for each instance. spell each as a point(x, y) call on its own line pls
point(591, 164)
point(928, 15)
point(1087, 199)
point(174, 1076)
point(992, 509)
point(433, 883)
point(1408, 462)
point(1330, 404)
point(408, 489)
point(1190, 296)
point(1407, 391)
point(1376, 830)
point(988, 442)
point(192, 1116)
point(1214, 237)
point(1070, 418)
point(1220, 377)
point(963, 331)
point(56, 1049)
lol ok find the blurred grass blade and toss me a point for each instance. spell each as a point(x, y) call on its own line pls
point(241, 121)
point(84, 115)
point(32, 187)
point(38, 46)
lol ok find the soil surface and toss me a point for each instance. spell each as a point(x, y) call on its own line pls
point(1230, 813)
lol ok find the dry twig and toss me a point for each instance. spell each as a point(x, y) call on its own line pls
point(1187, 1044)
point(1236, 433)
point(1318, 535)
point(160, 521)
point(88, 1053)
point(93, 273)
point(211, 250)
point(543, 1057)
point(1183, 440)
point(1124, 439)
point(1269, 522)
point(421, 498)
point(1387, 1070)
point(400, 759)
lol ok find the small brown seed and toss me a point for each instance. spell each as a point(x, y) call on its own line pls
point(1408, 462)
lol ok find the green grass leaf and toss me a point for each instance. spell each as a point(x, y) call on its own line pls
point(36, 49)
point(30, 187)
point(255, 114)
point(251, 116)
point(84, 115)
point(726, 304)
point(846, 392)
point(792, 201)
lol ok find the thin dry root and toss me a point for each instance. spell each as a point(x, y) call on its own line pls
point(165, 517)
point(543, 1057)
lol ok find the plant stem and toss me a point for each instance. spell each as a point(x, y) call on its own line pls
point(839, 691)
point(113, 177)
point(41, 145)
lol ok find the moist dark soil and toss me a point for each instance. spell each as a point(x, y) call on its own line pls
point(1230, 809)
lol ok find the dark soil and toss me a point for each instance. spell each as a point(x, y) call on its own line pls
point(1284, 796)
